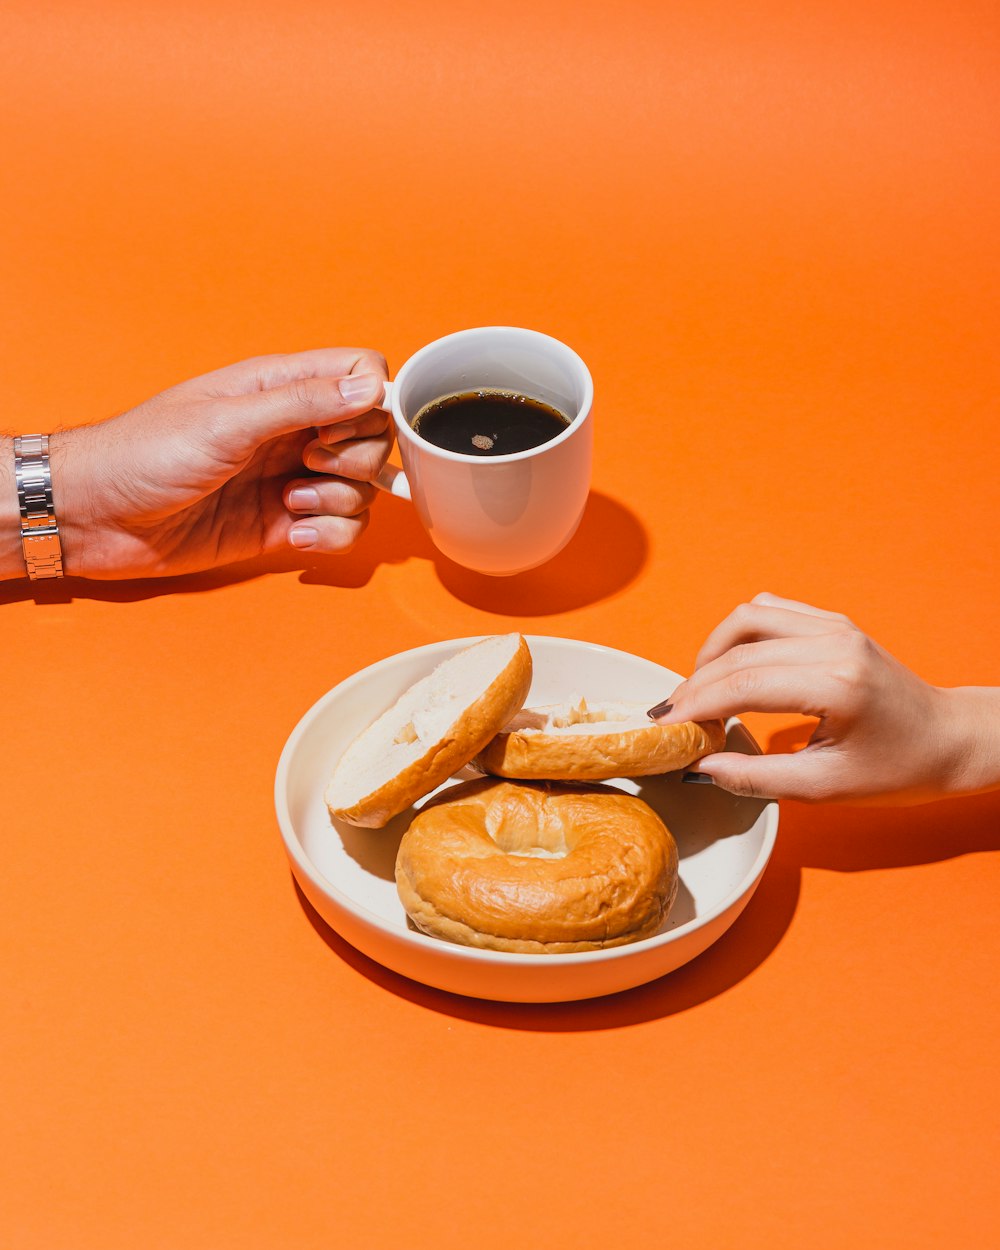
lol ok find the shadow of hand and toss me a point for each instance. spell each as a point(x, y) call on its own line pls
point(607, 552)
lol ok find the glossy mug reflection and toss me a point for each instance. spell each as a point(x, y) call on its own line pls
point(497, 514)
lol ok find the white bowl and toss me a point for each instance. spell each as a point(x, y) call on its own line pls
point(347, 873)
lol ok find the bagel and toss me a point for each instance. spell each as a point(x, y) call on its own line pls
point(432, 730)
point(537, 868)
point(594, 742)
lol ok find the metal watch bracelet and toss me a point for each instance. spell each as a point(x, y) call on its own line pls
point(39, 528)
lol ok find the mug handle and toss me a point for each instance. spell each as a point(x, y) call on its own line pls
point(392, 479)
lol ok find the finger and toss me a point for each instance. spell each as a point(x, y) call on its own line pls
point(809, 690)
point(361, 460)
point(237, 427)
point(263, 373)
point(330, 496)
point(808, 776)
point(753, 622)
point(366, 426)
point(812, 649)
point(330, 535)
point(795, 605)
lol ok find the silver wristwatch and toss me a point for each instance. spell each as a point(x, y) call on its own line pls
point(39, 530)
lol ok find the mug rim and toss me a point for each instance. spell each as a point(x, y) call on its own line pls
point(575, 423)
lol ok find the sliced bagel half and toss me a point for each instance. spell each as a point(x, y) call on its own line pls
point(584, 741)
point(433, 730)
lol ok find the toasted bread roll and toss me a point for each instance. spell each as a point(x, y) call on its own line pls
point(433, 730)
point(594, 742)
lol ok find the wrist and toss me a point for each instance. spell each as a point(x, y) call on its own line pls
point(75, 485)
point(11, 553)
point(971, 738)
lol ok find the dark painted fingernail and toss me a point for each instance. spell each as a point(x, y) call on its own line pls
point(701, 779)
point(661, 709)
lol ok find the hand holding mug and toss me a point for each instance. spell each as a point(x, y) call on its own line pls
point(211, 471)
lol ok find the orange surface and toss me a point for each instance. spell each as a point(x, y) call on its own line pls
point(771, 230)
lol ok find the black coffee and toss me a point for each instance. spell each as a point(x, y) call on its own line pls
point(488, 423)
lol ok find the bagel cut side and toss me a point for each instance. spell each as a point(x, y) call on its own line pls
point(433, 730)
point(594, 742)
point(537, 868)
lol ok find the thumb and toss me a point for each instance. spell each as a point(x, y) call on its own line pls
point(300, 404)
point(803, 775)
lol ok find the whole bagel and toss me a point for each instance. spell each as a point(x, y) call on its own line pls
point(595, 742)
point(537, 869)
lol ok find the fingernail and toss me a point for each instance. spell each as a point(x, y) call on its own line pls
point(699, 779)
point(303, 499)
point(303, 536)
point(360, 386)
point(661, 709)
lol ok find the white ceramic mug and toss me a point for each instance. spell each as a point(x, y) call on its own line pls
point(495, 514)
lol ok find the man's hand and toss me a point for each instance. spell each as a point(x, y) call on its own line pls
point(217, 469)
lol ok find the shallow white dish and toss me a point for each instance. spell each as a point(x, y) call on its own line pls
point(346, 873)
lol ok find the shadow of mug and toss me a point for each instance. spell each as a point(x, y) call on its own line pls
point(607, 553)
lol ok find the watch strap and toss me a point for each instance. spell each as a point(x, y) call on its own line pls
point(39, 527)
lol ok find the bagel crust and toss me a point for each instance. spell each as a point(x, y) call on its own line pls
point(595, 742)
point(537, 868)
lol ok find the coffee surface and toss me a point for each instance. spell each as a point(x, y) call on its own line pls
point(488, 423)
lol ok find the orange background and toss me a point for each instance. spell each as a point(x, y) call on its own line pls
point(771, 230)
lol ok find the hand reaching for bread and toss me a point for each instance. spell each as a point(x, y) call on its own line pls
point(882, 735)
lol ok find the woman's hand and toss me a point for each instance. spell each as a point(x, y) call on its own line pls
point(216, 469)
point(883, 734)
